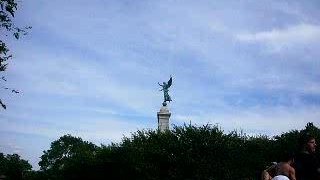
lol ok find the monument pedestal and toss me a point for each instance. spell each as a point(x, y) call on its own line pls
point(163, 118)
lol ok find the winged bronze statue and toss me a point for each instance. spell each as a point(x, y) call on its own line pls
point(165, 88)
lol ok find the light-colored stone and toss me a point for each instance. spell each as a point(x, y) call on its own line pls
point(163, 118)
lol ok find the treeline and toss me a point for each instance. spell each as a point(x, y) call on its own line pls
point(185, 152)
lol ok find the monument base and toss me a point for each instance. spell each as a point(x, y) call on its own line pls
point(163, 118)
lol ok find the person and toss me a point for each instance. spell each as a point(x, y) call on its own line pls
point(268, 173)
point(282, 170)
point(306, 163)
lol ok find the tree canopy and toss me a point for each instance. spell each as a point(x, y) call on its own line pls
point(68, 154)
point(13, 167)
point(185, 152)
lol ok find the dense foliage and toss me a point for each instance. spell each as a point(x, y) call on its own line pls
point(68, 158)
point(13, 167)
point(186, 152)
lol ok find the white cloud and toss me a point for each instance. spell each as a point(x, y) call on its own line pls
point(10, 147)
point(71, 75)
point(98, 130)
point(256, 120)
point(279, 39)
point(289, 80)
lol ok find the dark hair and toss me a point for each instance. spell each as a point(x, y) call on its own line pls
point(286, 156)
point(304, 138)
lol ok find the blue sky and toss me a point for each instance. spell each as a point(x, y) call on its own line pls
point(90, 68)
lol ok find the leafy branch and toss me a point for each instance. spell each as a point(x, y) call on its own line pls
point(7, 12)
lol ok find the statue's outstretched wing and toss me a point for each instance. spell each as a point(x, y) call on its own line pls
point(170, 82)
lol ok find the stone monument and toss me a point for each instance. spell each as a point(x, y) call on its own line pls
point(164, 113)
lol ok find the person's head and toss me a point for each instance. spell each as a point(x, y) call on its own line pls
point(307, 143)
point(287, 157)
point(311, 145)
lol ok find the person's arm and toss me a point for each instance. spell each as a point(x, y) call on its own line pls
point(265, 175)
point(292, 173)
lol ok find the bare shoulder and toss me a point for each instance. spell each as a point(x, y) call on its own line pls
point(284, 166)
point(292, 173)
point(288, 167)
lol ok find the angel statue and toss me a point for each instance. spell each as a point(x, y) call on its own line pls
point(165, 88)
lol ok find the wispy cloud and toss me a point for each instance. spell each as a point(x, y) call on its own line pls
point(10, 147)
point(99, 130)
point(256, 120)
point(281, 39)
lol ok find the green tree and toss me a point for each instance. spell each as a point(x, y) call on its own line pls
point(13, 167)
point(68, 158)
point(7, 26)
point(185, 152)
point(2, 164)
point(190, 152)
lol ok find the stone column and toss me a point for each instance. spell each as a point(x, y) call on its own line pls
point(163, 118)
